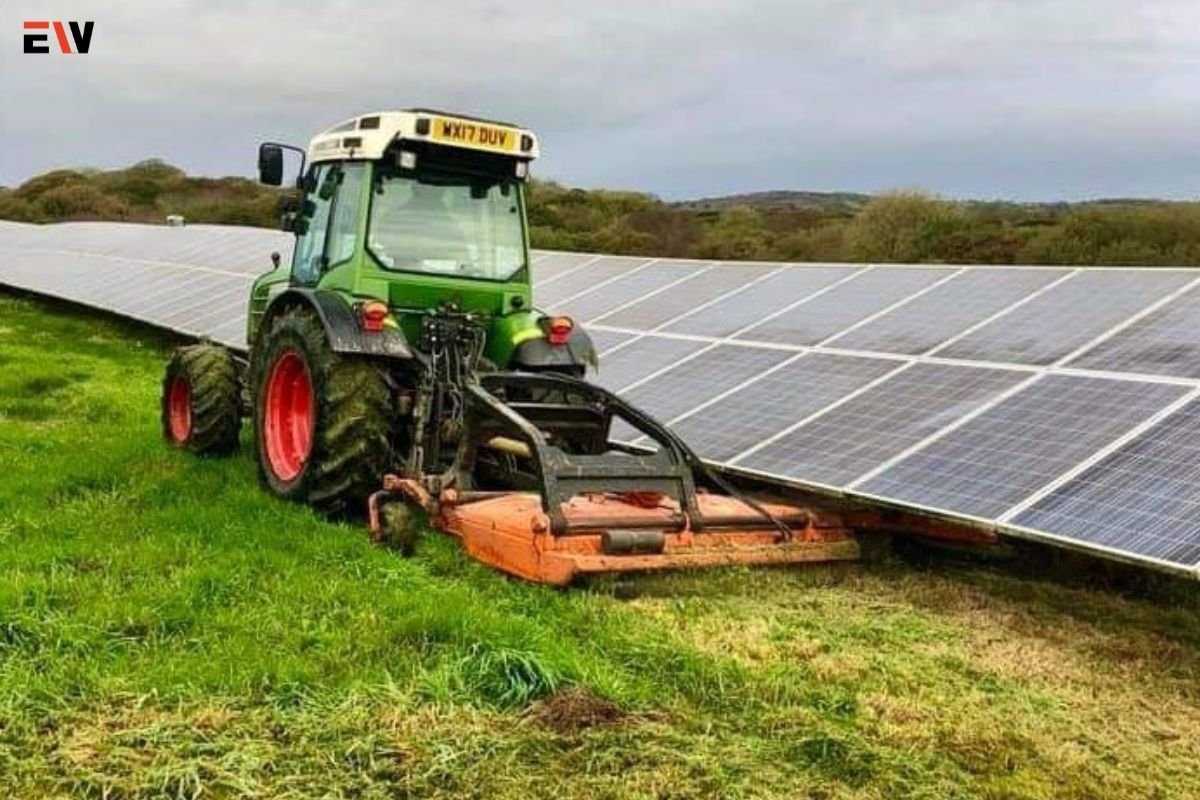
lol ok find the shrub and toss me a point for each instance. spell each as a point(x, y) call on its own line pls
point(737, 234)
point(903, 227)
point(83, 201)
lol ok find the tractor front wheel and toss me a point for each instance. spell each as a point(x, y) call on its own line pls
point(200, 408)
point(322, 420)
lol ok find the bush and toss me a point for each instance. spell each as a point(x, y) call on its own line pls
point(72, 201)
point(14, 208)
point(32, 190)
point(737, 234)
point(1150, 235)
point(903, 227)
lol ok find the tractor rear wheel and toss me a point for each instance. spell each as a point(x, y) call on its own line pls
point(322, 421)
point(200, 405)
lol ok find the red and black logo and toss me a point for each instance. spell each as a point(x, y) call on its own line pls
point(40, 42)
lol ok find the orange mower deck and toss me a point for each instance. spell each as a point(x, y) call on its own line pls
point(615, 533)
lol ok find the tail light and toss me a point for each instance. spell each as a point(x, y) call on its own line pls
point(374, 314)
point(558, 331)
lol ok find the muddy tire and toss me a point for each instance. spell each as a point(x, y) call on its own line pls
point(201, 412)
point(322, 421)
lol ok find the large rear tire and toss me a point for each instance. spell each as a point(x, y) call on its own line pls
point(322, 421)
point(200, 404)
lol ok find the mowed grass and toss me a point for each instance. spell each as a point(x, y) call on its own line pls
point(169, 630)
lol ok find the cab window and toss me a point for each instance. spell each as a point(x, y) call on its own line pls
point(333, 224)
point(343, 227)
point(447, 224)
point(310, 246)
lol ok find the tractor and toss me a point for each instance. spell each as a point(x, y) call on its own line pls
point(397, 368)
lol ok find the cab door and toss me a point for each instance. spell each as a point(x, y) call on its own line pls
point(331, 238)
point(308, 259)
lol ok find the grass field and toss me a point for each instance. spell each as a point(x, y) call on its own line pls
point(167, 629)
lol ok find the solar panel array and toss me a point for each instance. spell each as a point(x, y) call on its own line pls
point(1057, 404)
point(193, 279)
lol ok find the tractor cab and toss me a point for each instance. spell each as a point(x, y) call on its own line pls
point(419, 210)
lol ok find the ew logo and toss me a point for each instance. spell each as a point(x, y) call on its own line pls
point(40, 42)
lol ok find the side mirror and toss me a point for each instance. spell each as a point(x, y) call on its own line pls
point(270, 164)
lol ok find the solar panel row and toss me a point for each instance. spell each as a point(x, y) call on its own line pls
point(194, 279)
point(1059, 404)
point(1022, 374)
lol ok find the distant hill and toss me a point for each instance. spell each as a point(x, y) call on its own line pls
point(781, 200)
point(853, 202)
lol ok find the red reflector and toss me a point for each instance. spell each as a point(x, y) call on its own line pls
point(560, 330)
point(373, 316)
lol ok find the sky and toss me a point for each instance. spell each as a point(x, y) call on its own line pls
point(1007, 99)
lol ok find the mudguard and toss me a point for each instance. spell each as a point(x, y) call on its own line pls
point(535, 355)
point(341, 324)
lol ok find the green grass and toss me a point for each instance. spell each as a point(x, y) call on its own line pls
point(167, 629)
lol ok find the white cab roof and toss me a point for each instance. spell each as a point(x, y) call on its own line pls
point(367, 136)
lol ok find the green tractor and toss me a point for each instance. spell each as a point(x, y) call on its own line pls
point(398, 362)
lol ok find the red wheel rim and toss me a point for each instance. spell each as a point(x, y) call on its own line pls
point(179, 409)
point(288, 423)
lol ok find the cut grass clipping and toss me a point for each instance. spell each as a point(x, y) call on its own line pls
point(167, 629)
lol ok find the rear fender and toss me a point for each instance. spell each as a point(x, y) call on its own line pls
point(341, 323)
point(537, 354)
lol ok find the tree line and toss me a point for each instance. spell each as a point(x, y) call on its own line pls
point(905, 227)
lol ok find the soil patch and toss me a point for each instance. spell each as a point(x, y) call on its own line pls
point(575, 709)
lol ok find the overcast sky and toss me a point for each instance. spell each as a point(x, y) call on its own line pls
point(1025, 99)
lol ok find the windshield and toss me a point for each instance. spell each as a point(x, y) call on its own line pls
point(457, 226)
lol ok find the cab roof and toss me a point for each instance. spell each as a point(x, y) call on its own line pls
point(367, 136)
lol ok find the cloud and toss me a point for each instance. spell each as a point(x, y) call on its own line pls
point(995, 98)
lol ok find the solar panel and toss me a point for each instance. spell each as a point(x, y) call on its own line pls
point(145, 297)
point(604, 341)
point(966, 409)
point(758, 299)
point(1161, 343)
point(43, 272)
point(232, 332)
point(690, 383)
point(242, 250)
point(1066, 316)
point(777, 399)
point(221, 296)
point(1023, 443)
point(928, 320)
point(639, 358)
point(115, 291)
point(129, 269)
point(850, 439)
point(548, 267)
point(824, 315)
point(1142, 500)
point(586, 278)
point(700, 289)
point(628, 288)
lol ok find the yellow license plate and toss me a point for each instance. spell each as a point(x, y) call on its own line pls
point(466, 133)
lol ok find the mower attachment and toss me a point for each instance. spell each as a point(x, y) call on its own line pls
point(542, 495)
